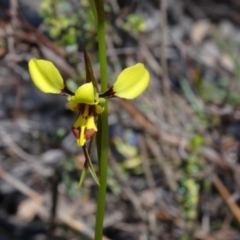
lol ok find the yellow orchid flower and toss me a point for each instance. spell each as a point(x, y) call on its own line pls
point(131, 82)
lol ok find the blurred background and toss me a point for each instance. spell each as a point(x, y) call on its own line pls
point(174, 151)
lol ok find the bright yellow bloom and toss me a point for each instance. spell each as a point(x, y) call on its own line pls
point(130, 83)
point(84, 128)
point(45, 76)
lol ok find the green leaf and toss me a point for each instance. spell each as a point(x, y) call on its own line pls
point(83, 175)
point(196, 141)
point(92, 171)
point(90, 166)
point(94, 11)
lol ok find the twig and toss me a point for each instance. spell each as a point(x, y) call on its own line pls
point(113, 57)
point(20, 186)
point(149, 58)
point(166, 87)
point(11, 47)
point(146, 164)
point(33, 160)
point(129, 192)
point(210, 154)
point(155, 150)
point(165, 79)
point(55, 180)
point(235, 210)
point(66, 219)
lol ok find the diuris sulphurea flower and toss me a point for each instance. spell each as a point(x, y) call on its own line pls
point(130, 83)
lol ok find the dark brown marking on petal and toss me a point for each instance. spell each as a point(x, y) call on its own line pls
point(108, 94)
point(89, 133)
point(94, 111)
point(66, 92)
point(76, 132)
point(91, 110)
point(82, 109)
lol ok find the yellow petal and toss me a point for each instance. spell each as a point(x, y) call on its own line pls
point(73, 106)
point(99, 109)
point(85, 94)
point(45, 76)
point(131, 82)
point(84, 127)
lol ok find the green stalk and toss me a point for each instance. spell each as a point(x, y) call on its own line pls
point(103, 152)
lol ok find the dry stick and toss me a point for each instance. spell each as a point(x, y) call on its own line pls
point(150, 180)
point(10, 29)
point(128, 191)
point(11, 58)
point(154, 148)
point(114, 57)
point(163, 57)
point(146, 164)
point(32, 160)
point(66, 219)
point(74, 224)
point(166, 87)
point(30, 34)
point(226, 197)
point(152, 62)
point(27, 33)
point(55, 180)
point(121, 51)
point(20, 186)
point(207, 152)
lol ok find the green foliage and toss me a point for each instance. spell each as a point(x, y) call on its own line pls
point(191, 198)
point(212, 92)
point(134, 24)
point(188, 186)
point(226, 90)
point(232, 51)
point(195, 102)
point(219, 93)
point(196, 142)
point(66, 23)
point(128, 154)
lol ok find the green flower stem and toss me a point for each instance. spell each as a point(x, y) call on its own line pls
point(103, 153)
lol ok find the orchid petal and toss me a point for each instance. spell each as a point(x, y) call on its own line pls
point(85, 94)
point(84, 127)
point(45, 76)
point(73, 106)
point(131, 82)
